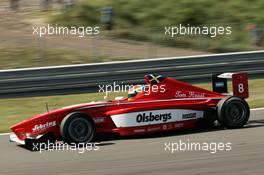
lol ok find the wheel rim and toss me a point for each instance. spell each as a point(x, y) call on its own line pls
point(236, 112)
point(80, 130)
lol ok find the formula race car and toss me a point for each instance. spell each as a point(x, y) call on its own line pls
point(162, 104)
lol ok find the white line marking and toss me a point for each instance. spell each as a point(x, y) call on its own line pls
point(254, 109)
point(3, 134)
point(257, 109)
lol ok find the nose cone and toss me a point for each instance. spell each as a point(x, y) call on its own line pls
point(26, 127)
point(19, 130)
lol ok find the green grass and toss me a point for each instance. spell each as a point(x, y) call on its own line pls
point(256, 103)
point(145, 20)
point(17, 109)
point(29, 54)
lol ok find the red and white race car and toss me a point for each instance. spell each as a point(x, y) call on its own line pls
point(162, 104)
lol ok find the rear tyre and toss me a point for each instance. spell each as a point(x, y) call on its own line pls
point(233, 112)
point(77, 128)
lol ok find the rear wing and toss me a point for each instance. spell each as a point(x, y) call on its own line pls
point(239, 83)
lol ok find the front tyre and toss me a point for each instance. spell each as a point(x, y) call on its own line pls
point(233, 112)
point(77, 128)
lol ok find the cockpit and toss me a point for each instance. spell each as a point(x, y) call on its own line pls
point(151, 81)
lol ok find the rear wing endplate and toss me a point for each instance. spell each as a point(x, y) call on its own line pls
point(239, 83)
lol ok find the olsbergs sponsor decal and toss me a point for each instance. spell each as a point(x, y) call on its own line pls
point(154, 117)
point(43, 126)
point(151, 117)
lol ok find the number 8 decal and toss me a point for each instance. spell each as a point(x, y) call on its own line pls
point(240, 84)
point(241, 88)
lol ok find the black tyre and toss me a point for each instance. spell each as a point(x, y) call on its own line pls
point(77, 128)
point(233, 112)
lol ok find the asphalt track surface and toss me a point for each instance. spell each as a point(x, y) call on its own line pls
point(146, 155)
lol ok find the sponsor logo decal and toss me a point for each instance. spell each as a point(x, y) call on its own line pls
point(190, 94)
point(178, 125)
point(99, 119)
point(153, 129)
point(139, 130)
point(164, 127)
point(188, 116)
point(151, 117)
point(43, 126)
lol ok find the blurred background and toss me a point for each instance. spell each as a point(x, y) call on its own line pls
point(128, 29)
